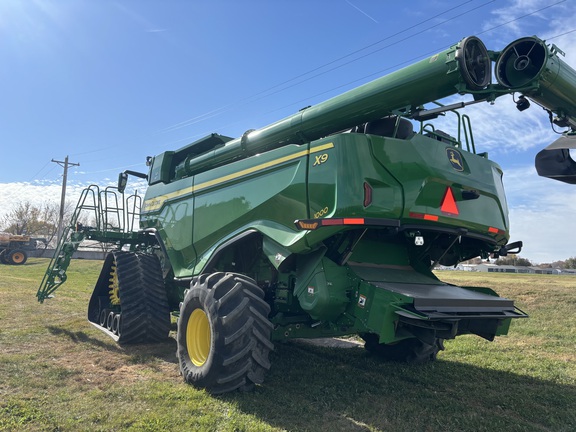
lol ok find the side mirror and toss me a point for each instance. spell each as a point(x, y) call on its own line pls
point(122, 181)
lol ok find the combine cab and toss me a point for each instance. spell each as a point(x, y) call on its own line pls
point(326, 223)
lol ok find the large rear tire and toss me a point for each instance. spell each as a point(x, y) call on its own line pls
point(224, 333)
point(412, 351)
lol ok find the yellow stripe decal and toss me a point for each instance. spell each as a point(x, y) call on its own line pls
point(157, 202)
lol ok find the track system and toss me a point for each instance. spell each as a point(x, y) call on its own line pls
point(129, 301)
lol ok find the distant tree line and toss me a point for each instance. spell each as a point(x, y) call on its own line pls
point(514, 260)
point(570, 263)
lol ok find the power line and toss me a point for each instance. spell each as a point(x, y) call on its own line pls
point(282, 86)
point(415, 58)
point(382, 48)
point(39, 171)
point(562, 34)
point(262, 94)
point(113, 169)
point(93, 151)
point(227, 107)
point(266, 93)
point(521, 17)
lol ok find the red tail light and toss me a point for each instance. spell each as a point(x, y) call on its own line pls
point(367, 194)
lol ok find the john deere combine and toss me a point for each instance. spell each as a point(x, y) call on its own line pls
point(326, 223)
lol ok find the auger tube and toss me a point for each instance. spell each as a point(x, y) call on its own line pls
point(462, 68)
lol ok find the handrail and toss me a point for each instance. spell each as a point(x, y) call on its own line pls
point(103, 206)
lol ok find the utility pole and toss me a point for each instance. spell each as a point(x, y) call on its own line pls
point(65, 164)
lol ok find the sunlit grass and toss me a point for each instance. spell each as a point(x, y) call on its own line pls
point(57, 372)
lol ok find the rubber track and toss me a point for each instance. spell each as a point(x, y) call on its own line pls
point(143, 300)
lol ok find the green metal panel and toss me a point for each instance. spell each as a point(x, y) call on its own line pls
point(337, 180)
point(422, 165)
point(325, 294)
point(374, 310)
point(266, 192)
point(168, 207)
point(160, 171)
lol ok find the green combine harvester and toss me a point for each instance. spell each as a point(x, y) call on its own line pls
point(326, 223)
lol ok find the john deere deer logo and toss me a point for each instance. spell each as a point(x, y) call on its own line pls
point(455, 159)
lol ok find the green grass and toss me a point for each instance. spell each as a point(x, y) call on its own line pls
point(58, 373)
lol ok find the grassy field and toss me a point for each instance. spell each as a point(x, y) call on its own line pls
point(58, 373)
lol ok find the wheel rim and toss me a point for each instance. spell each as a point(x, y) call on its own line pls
point(198, 337)
point(18, 257)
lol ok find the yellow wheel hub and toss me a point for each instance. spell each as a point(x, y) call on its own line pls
point(198, 337)
point(114, 290)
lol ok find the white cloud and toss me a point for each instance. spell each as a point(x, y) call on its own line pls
point(37, 193)
point(526, 17)
point(502, 129)
point(40, 192)
point(541, 215)
point(541, 210)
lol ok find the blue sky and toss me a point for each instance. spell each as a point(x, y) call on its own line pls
point(111, 82)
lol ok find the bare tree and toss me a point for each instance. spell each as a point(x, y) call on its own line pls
point(37, 221)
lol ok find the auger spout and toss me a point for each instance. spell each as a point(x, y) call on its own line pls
point(535, 70)
point(531, 67)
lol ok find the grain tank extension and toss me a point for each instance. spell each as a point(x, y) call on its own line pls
point(328, 222)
